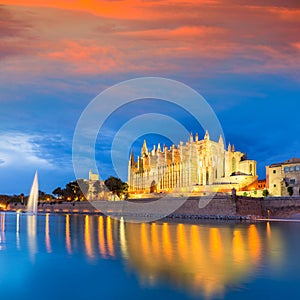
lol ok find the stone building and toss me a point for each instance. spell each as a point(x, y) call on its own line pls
point(281, 176)
point(196, 166)
point(97, 189)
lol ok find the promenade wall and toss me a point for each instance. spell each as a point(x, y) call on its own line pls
point(196, 207)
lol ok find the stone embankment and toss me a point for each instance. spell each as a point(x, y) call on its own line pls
point(220, 207)
point(63, 207)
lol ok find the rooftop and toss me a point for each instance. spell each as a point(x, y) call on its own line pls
point(287, 162)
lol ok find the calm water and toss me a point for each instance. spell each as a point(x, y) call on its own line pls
point(78, 257)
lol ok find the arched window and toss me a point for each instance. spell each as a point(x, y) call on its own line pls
point(250, 169)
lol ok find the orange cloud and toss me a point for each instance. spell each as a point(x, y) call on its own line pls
point(123, 9)
point(286, 13)
point(296, 45)
point(183, 33)
point(86, 57)
point(148, 37)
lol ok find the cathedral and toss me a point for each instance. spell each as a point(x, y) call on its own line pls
point(195, 166)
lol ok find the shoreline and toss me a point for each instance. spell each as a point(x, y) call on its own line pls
point(172, 218)
point(223, 208)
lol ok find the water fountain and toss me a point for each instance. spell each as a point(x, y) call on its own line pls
point(34, 196)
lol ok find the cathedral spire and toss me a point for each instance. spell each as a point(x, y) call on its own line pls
point(144, 150)
point(131, 159)
point(158, 148)
point(206, 137)
point(154, 150)
point(221, 140)
point(191, 138)
point(229, 147)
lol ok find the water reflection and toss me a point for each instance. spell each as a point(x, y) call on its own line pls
point(31, 236)
point(68, 235)
point(101, 237)
point(89, 237)
point(18, 231)
point(2, 231)
point(202, 259)
point(47, 235)
point(123, 242)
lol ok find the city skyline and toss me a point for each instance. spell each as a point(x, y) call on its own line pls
point(56, 56)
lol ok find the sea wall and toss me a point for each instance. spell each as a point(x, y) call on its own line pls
point(64, 207)
point(193, 207)
point(204, 207)
point(280, 207)
point(221, 206)
point(247, 206)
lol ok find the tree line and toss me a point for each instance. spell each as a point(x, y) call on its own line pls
point(75, 190)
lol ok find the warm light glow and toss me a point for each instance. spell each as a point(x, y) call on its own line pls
point(2, 222)
point(155, 239)
point(202, 258)
point(144, 239)
point(101, 237)
point(216, 247)
point(167, 244)
point(31, 235)
point(254, 243)
point(123, 242)
point(238, 247)
point(268, 230)
point(68, 235)
point(2, 235)
point(188, 249)
point(47, 235)
point(109, 235)
point(88, 238)
point(197, 246)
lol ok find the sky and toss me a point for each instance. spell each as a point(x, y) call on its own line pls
point(242, 56)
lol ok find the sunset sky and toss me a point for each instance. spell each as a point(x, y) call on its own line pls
point(243, 56)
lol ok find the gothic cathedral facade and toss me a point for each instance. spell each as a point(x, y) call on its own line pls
point(196, 166)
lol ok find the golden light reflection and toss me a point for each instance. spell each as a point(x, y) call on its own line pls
point(167, 242)
point(2, 228)
point(101, 237)
point(68, 235)
point(199, 258)
point(109, 235)
point(238, 247)
point(216, 247)
point(182, 242)
point(47, 235)
point(88, 240)
point(254, 243)
point(2, 222)
point(155, 239)
point(123, 242)
point(144, 239)
point(268, 230)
